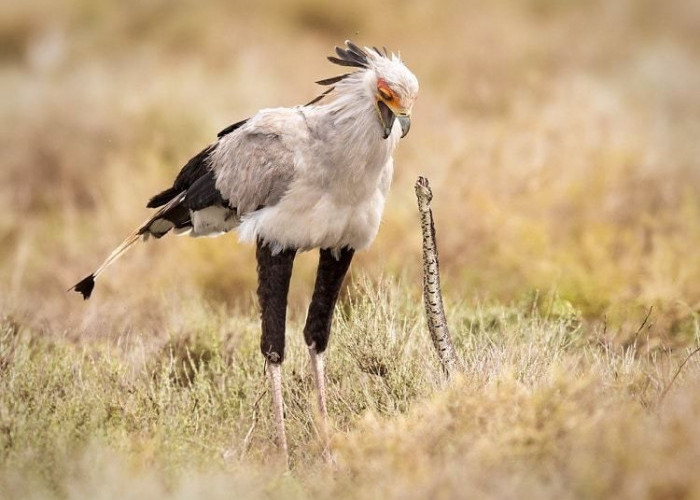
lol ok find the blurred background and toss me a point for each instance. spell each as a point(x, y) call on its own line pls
point(561, 138)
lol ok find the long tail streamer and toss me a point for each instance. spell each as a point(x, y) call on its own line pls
point(87, 284)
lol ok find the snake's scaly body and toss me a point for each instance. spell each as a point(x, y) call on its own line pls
point(432, 293)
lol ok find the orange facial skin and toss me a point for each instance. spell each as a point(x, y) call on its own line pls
point(388, 95)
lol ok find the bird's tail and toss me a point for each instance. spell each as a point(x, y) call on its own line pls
point(86, 285)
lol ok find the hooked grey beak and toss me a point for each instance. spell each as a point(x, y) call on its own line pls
point(387, 118)
point(405, 122)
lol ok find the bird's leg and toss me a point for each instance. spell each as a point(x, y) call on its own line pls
point(329, 278)
point(275, 372)
point(274, 273)
point(318, 366)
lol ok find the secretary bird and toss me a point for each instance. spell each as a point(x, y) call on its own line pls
point(294, 179)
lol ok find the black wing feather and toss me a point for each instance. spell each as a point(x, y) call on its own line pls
point(179, 216)
point(162, 198)
point(203, 193)
point(193, 170)
point(231, 128)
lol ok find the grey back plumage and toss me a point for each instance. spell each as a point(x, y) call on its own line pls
point(254, 165)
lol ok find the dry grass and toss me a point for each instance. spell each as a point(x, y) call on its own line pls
point(560, 138)
point(546, 408)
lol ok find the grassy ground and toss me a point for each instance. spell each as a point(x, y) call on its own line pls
point(560, 138)
point(547, 408)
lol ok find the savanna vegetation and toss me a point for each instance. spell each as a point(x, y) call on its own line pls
point(560, 138)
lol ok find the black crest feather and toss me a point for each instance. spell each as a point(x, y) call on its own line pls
point(332, 80)
point(343, 62)
point(351, 56)
point(316, 99)
point(352, 47)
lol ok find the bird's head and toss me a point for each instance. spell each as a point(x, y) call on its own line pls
point(396, 89)
point(391, 85)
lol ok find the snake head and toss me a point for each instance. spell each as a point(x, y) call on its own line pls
point(423, 191)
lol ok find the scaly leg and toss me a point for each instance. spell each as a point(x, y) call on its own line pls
point(274, 273)
point(329, 278)
point(275, 371)
point(318, 366)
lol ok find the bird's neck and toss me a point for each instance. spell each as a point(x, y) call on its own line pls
point(354, 119)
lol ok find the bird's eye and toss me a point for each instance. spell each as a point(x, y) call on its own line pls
point(385, 93)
